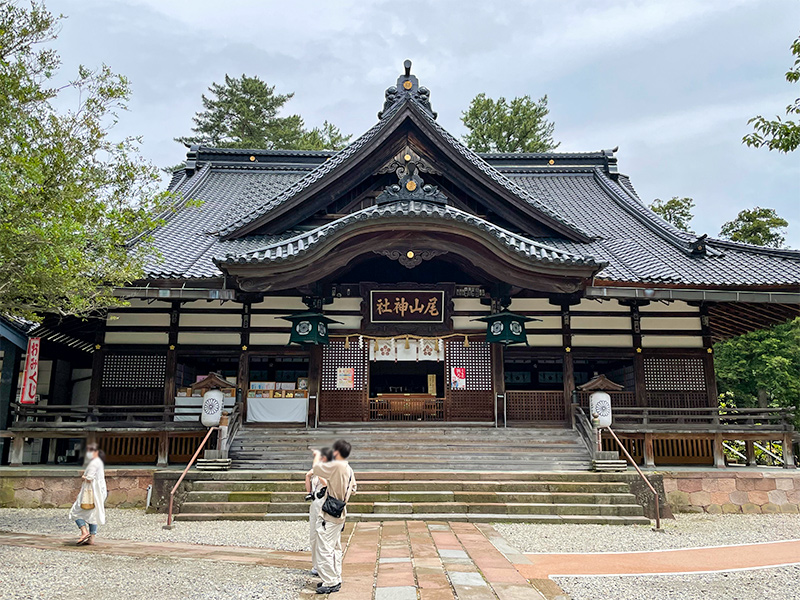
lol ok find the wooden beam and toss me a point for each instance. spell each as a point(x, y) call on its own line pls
point(8, 384)
point(98, 361)
point(568, 364)
point(172, 359)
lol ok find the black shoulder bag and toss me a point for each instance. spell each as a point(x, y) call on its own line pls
point(335, 507)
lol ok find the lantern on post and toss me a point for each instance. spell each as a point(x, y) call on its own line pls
point(506, 328)
point(309, 327)
point(600, 399)
point(213, 398)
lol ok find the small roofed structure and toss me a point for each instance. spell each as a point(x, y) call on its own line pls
point(601, 383)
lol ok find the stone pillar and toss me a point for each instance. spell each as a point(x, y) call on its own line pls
point(163, 450)
point(719, 451)
point(648, 451)
point(17, 449)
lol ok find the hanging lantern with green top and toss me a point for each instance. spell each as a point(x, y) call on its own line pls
point(309, 327)
point(506, 328)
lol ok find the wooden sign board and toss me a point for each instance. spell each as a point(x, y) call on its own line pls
point(406, 306)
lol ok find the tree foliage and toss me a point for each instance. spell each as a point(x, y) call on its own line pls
point(760, 226)
point(761, 368)
point(677, 211)
point(70, 196)
point(778, 134)
point(244, 113)
point(501, 126)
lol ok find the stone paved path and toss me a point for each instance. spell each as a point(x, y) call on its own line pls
point(411, 560)
point(414, 560)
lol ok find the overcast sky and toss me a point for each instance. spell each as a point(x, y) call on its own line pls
point(671, 83)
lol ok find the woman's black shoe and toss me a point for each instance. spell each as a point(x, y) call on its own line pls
point(329, 590)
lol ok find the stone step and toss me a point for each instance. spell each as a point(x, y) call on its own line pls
point(441, 508)
point(454, 517)
point(428, 476)
point(423, 496)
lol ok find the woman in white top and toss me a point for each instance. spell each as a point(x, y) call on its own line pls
point(94, 479)
point(315, 490)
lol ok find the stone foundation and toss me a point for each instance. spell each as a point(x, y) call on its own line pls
point(58, 488)
point(730, 491)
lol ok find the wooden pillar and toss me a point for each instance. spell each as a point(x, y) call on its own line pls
point(17, 450)
point(719, 451)
point(172, 361)
point(314, 381)
point(498, 379)
point(640, 387)
point(648, 451)
point(163, 450)
point(708, 357)
point(98, 360)
point(568, 369)
point(788, 451)
point(243, 374)
point(8, 385)
point(750, 452)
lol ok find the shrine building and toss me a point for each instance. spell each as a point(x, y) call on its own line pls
point(407, 280)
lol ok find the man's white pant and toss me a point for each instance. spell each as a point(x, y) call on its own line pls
point(328, 552)
point(313, 515)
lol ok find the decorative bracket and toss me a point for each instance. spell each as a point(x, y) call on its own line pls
point(411, 258)
point(408, 165)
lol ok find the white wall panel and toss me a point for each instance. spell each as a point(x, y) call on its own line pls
point(213, 305)
point(212, 320)
point(132, 319)
point(599, 305)
point(550, 340)
point(602, 341)
point(343, 304)
point(543, 304)
point(347, 322)
point(208, 339)
point(601, 323)
point(136, 337)
point(676, 306)
point(672, 341)
point(671, 323)
point(282, 302)
point(467, 324)
point(269, 339)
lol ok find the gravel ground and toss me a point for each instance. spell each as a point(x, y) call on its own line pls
point(30, 574)
point(761, 584)
point(134, 524)
point(686, 531)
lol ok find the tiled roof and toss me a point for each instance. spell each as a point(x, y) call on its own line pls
point(288, 249)
point(246, 214)
point(582, 190)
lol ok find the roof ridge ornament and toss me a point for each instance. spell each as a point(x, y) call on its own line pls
point(408, 165)
point(407, 86)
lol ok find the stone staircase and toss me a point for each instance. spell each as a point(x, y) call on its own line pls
point(377, 447)
point(453, 473)
point(511, 496)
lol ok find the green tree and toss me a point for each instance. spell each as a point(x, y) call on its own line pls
point(243, 113)
point(780, 135)
point(677, 211)
point(761, 368)
point(501, 126)
point(760, 227)
point(70, 196)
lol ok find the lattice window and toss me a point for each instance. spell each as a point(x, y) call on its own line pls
point(335, 355)
point(535, 406)
point(134, 371)
point(674, 374)
point(476, 359)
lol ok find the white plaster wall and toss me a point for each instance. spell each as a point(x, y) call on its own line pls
point(208, 338)
point(133, 319)
point(671, 323)
point(604, 323)
point(212, 320)
point(136, 337)
point(602, 341)
point(672, 341)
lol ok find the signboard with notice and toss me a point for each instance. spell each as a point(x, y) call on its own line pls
point(30, 376)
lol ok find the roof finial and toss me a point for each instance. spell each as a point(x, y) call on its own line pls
point(407, 87)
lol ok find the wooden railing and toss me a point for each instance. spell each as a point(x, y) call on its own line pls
point(412, 408)
point(618, 399)
point(66, 416)
point(710, 420)
point(647, 482)
point(583, 425)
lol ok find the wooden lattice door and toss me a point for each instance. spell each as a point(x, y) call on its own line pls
point(337, 403)
point(476, 401)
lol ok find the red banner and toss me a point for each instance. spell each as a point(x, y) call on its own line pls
point(30, 378)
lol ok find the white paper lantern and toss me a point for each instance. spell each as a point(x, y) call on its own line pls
point(213, 403)
point(600, 405)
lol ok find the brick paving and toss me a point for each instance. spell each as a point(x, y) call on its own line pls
point(414, 560)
